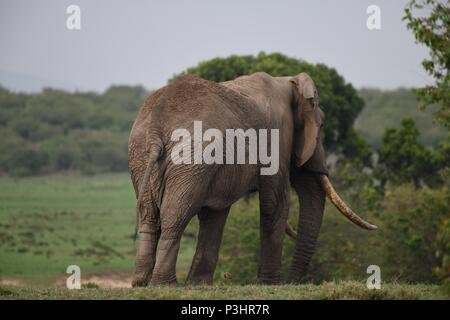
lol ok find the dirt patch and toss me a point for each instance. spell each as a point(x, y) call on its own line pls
point(108, 279)
point(13, 282)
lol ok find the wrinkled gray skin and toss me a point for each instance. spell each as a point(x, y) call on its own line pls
point(169, 195)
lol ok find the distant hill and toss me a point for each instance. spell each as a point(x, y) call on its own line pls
point(385, 108)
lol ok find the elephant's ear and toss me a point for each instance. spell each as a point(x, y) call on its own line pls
point(307, 118)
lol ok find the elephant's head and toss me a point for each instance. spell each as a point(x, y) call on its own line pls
point(309, 175)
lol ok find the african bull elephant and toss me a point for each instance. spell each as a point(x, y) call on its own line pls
point(170, 193)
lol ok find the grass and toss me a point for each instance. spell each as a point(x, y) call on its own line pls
point(48, 223)
point(326, 291)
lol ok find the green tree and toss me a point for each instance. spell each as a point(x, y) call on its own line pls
point(338, 98)
point(402, 158)
point(429, 20)
point(442, 154)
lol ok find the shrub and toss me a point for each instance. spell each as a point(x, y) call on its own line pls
point(415, 244)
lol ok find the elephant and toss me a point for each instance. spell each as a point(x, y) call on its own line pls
point(170, 194)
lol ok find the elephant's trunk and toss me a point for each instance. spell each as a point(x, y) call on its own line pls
point(342, 206)
point(311, 189)
point(312, 202)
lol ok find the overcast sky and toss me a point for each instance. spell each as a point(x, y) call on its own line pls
point(146, 42)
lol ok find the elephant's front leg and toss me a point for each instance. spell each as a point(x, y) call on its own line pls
point(210, 233)
point(274, 207)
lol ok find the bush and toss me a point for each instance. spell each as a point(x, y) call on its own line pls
point(415, 223)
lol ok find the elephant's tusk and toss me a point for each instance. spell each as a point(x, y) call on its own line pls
point(342, 206)
point(290, 231)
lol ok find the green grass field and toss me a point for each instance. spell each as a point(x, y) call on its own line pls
point(326, 291)
point(48, 223)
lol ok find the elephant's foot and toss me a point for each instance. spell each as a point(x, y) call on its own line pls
point(143, 272)
point(140, 280)
point(269, 276)
point(163, 280)
point(297, 280)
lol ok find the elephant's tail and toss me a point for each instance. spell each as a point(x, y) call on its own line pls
point(156, 150)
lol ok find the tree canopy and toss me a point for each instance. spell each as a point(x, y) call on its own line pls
point(429, 20)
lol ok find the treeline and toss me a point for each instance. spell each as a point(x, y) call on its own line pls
point(55, 130)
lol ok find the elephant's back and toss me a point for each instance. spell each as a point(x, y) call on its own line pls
point(190, 98)
point(192, 95)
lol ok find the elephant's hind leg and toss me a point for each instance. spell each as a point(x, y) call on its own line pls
point(146, 254)
point(212, 223)
point(176, 212)
point(148, 232)
point(164, 272)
